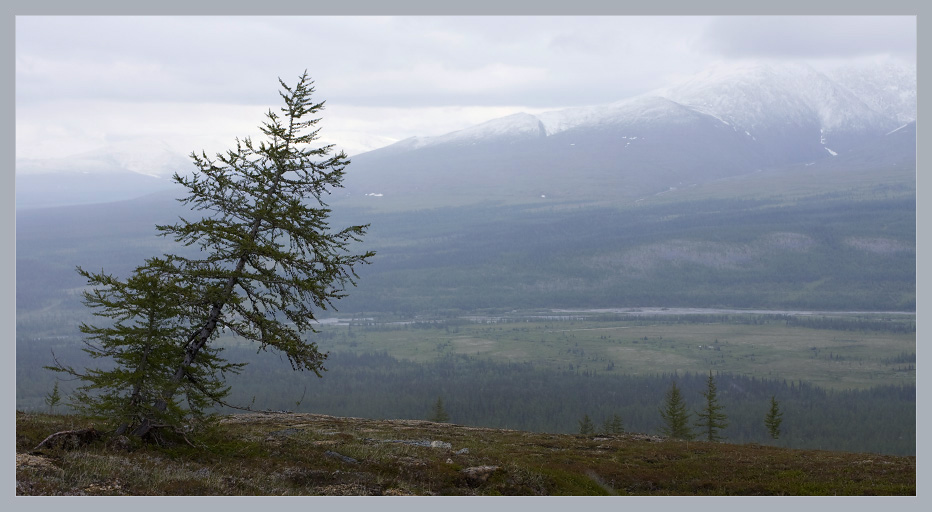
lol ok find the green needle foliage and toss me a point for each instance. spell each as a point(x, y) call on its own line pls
point(774, 418)
point(271, 258)
point(711, 418)
point(53, 398)
point(268, 260)
point(675, 416)
point(150, 313)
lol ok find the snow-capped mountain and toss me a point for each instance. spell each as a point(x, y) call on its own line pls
point(747, 96)
point(727, 120)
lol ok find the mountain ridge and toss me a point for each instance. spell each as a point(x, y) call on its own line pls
point(725, 121)
point(696, 92)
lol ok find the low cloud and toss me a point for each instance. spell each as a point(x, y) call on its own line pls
point(84, 81)
point(811, 37)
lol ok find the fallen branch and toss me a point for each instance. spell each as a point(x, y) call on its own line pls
point(70, 438)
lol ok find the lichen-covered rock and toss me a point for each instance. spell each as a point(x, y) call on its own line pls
point(478, 474)
point(36, 461)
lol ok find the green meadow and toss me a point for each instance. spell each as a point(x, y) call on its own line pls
point(829, 358)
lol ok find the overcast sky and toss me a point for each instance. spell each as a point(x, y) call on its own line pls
point(191, 83)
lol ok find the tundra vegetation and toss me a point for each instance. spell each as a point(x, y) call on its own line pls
point(310, 454)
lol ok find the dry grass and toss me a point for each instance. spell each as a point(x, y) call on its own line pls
point(306, 454)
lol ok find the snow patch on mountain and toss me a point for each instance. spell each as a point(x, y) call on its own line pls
point(886, 85)
point(891, 132)
point(519, 125)
point(748, 95)
point(556, 121)
point(640, 110)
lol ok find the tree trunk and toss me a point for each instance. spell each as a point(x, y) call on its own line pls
point(198, 339)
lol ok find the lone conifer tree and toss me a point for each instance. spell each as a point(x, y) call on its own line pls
point(711, 418)
point(268, 260)
point(675, 415)
point(271, 258)
point(774, 418)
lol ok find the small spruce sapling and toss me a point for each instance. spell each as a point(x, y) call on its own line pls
point(53, 398)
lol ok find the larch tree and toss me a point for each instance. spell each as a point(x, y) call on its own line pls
point(268, 260)
point(711, 419)
point(271, 258)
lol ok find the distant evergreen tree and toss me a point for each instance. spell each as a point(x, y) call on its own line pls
point(53, 398)
point(585, 426)
point(613, 425)
point(711, 418)
point(439, 414)
point(675, 416)
point(774, 418)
